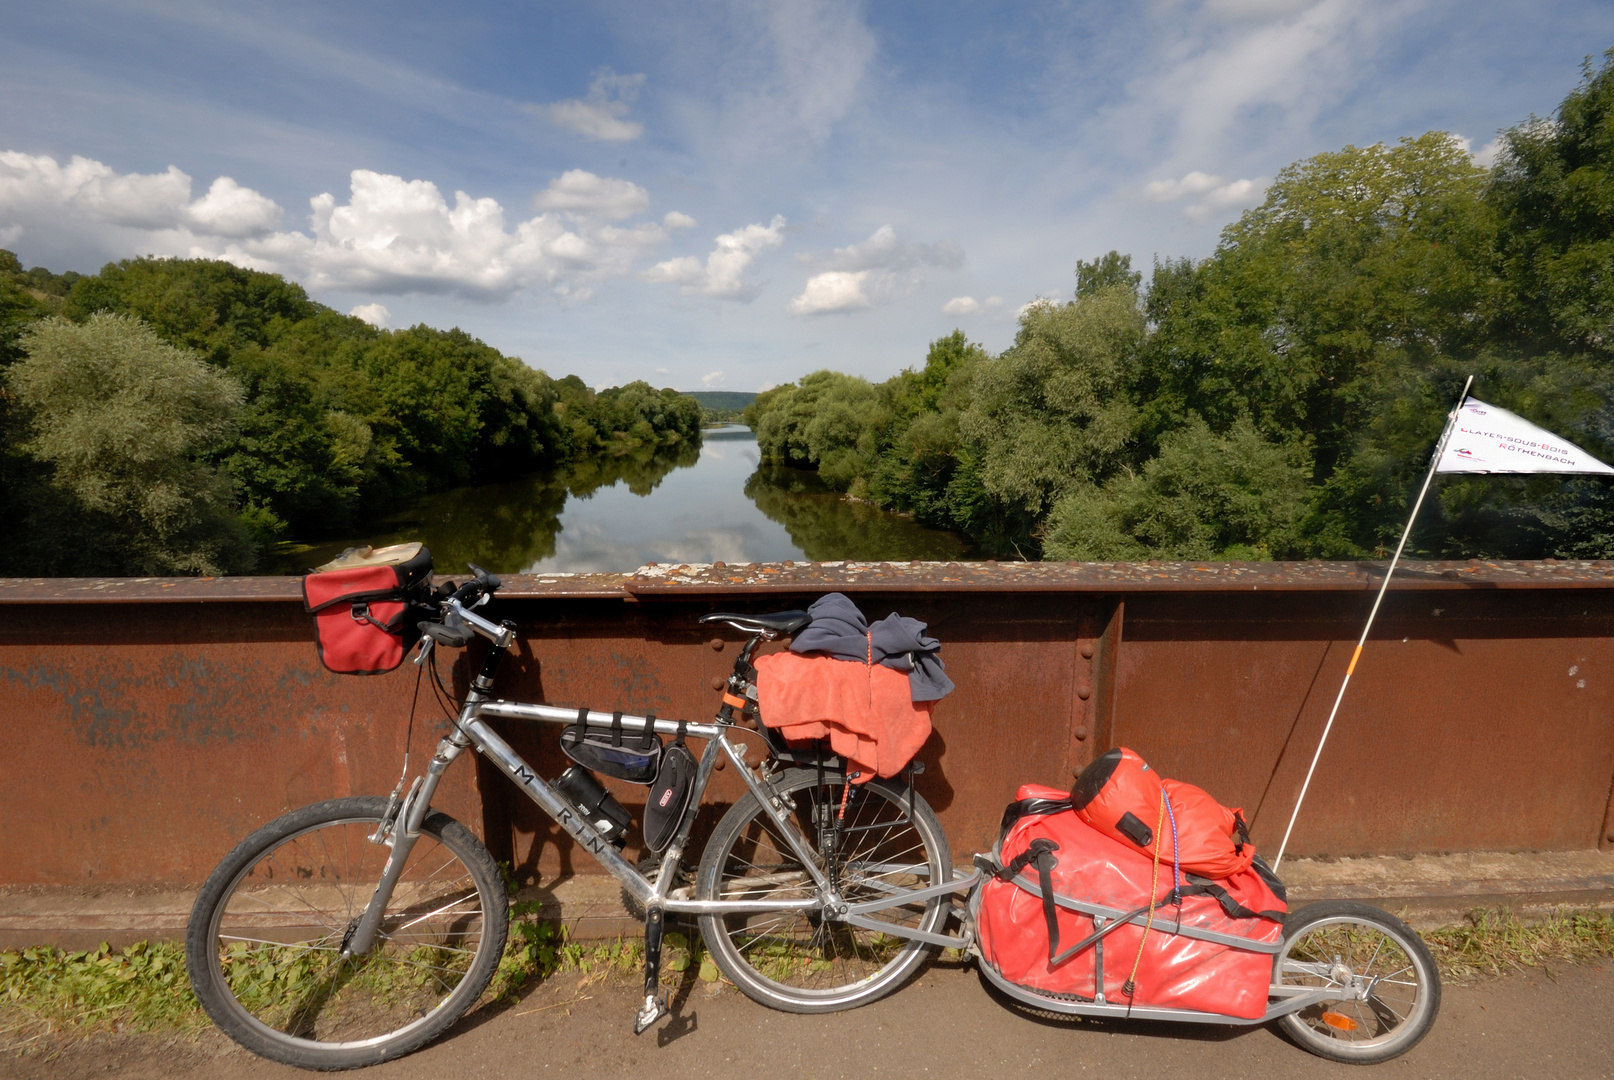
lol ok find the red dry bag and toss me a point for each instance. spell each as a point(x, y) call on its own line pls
point(1121, 797)
point(1208, 947)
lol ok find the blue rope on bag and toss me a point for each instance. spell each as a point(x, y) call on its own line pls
point(1176, 860)
point(1176, 856)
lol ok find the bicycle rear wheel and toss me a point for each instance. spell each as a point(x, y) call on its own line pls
point(264, 943)
point(799, 961)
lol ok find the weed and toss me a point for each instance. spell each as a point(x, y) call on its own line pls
point(143, 987)
point(533, 951)
point(1496, 942)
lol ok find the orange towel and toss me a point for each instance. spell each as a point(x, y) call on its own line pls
point(866, 711)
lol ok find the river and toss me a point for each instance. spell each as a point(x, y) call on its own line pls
point(692, 505)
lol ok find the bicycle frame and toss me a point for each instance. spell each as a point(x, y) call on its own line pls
point(472, 731)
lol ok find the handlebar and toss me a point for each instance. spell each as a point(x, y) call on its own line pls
point(459, 623)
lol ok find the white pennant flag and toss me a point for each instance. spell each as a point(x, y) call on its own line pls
point(1491, 440)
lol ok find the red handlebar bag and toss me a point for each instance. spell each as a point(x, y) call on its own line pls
point(1120, 796)
point(362, 603)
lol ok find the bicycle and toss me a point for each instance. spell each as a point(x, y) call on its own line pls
point(356, 930)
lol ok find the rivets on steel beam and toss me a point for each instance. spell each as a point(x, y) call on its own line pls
point(1081, 733)
point(717, 644)
point(718, 682)
point(1084, 691)
point(1087, 650)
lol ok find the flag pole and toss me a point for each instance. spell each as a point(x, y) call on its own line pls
point(1434, 462)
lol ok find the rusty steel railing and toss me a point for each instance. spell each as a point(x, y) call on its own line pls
point(154, 722)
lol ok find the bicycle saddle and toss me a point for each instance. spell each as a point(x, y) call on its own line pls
point(779, 622)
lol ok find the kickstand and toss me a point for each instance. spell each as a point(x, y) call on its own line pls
point(654, 1008)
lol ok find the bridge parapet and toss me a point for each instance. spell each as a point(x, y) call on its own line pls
point(154, 722)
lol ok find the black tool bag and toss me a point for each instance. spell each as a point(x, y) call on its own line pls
point(634, 756)
point(669, 795)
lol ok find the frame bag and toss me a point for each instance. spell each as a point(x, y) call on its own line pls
point(669, 796)
point(365, 609)
point(634, 758)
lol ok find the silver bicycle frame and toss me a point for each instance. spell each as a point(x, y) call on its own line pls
point(471, 730)
point(656, 893)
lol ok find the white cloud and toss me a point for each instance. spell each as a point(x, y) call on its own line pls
point(228, 209)
point(857, 275)
point(1171, 190)
point(1216, 193)
point(391, 235)
point(582, 194)
point(1236, 195)
point(374, 314)
point(968, 305)
point(750, 81)
point(722, 275)
point(1281, 67)
point(82, 194)
point(1254, 10)
point(1041, 301)
point(599, 116)
point(712, 378)
point(833, 290)
point(673, 219)
point(1485, 156)
point(395, 235)
point(883, 251)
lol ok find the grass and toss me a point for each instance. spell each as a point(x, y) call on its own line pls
point(46, 991)
point(1497, 942)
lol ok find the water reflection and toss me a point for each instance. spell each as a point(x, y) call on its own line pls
point(691, 504)
point(826, 526)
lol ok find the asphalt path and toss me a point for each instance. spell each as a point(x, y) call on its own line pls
point(945, 1025)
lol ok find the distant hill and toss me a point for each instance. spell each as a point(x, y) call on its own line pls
point(722, 406)
point(721, 399)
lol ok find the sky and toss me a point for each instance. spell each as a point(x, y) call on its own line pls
point(719, 195)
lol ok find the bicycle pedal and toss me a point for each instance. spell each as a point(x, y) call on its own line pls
point(654, 1009)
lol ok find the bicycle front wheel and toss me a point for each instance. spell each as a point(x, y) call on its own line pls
point(801, 961)
point(264, 945)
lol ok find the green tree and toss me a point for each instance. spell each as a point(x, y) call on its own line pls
point(1051, 413)
point(925, 468)
point(1553, 192)
point(1108, 270)
point(1205, 496)
point(831, 422)
point(1338, 316)
point(127, 425)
